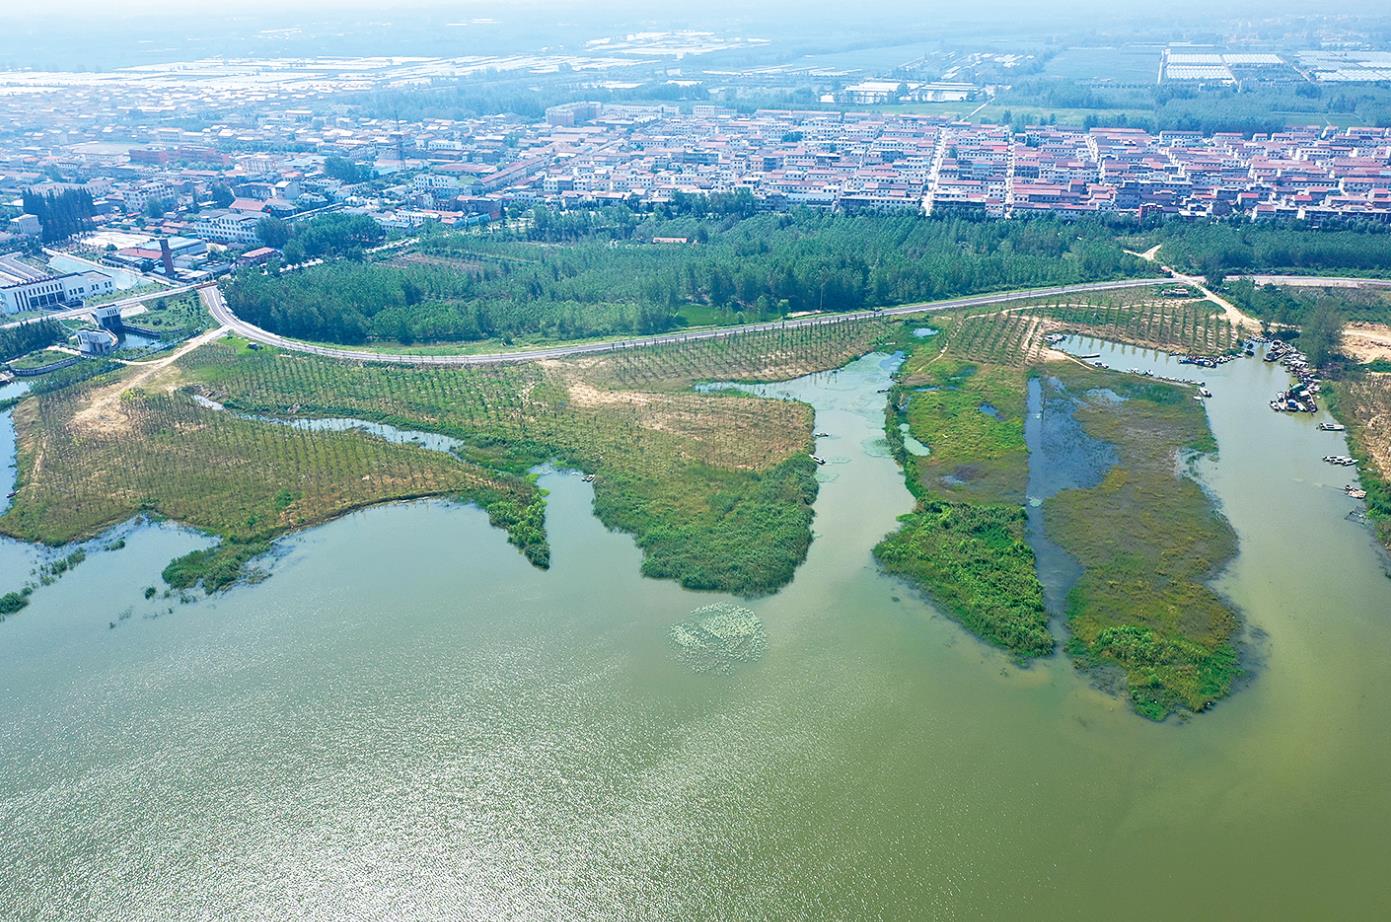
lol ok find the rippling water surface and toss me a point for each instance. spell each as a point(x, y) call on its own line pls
point(407, 720)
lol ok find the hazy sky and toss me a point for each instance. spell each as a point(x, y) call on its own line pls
point(88, 34)
point(838, 8)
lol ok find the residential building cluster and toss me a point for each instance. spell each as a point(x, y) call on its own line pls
point(189, 202)
point(859, 161)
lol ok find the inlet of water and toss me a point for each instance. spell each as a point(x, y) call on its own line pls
point(409, 720)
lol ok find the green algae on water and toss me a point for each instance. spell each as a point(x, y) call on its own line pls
point(717, 637)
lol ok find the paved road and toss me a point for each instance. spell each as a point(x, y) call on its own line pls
point(1316, 281)
point(217, 306)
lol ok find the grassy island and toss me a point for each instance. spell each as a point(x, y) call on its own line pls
point(966, 544)
point(1142, 607)
point(1149, 541)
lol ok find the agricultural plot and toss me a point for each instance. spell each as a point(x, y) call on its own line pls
point(1014, 335)
point(716, 488)
point(88, 462)
point(767, 355)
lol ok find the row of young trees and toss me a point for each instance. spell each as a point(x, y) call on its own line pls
point(30, 337)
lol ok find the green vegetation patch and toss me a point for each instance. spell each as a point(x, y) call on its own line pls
point(89, 459)
point(717, 489)
point(971, 417)
point(40, 359)
point(1363, 402)
point(176, 317)
point(215, 568)
point(975, 561)
point(965, 544)
point(734, 531)
point(12, 602)
point(1149, 541)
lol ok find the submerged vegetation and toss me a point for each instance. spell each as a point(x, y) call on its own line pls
point(716, 638)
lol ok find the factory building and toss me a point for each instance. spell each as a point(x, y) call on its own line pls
point(26, 288)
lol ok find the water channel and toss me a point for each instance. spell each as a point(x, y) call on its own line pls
point(407, 720)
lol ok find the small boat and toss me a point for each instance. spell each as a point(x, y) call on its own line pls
point(1332, 427)
point(817, 460)
point(1355, 492)
point(12, 494)
point(1204, 392)
point(1093, 355)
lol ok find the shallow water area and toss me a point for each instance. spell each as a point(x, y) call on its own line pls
point(408, 720)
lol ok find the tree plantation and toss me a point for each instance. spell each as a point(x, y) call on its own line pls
point(615, 271)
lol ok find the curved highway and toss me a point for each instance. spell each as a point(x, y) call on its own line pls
point(217, 306)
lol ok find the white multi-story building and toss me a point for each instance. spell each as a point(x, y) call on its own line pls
point(139, 196)
point(223, 226)
point(32, 292)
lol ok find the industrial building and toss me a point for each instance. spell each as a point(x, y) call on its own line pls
point(26, 288)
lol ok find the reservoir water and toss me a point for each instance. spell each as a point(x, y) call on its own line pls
point(407, 720)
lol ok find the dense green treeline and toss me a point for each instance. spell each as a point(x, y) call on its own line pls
point(61, 214)
point(30, 337)
point(1222, 248)
point(600, 272)
point(1296, 306)
point(323, 237)
point(1177, 107)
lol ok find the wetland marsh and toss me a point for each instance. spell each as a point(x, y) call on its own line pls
point(486, 738)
